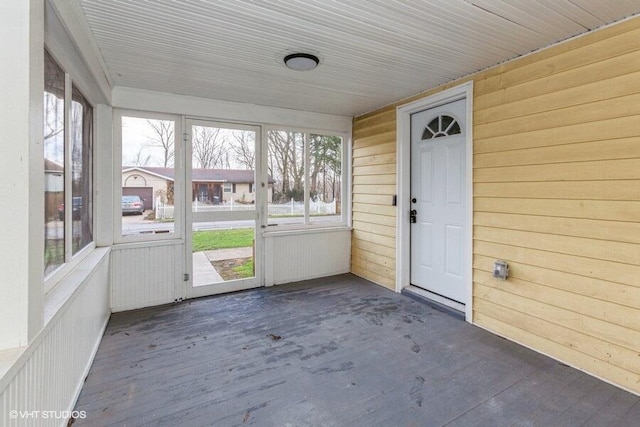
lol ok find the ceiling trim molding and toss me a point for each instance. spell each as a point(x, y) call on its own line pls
point(73, 19)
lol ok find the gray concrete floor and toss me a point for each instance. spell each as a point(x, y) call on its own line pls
point(336, 351)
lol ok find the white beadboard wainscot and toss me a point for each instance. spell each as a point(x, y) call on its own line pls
point(145, 274)
point(299, 255)
point(50, 372)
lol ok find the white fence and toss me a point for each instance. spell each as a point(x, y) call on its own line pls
point(291, 208)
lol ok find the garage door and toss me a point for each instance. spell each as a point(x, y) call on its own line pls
point(145, 193)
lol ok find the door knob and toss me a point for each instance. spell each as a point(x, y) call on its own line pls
point(414, 200)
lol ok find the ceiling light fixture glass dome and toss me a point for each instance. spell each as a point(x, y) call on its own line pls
point(301, 61)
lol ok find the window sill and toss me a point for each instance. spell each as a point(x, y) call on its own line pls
point(65, 289)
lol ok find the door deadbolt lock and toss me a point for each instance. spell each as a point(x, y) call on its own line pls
point(413, 216)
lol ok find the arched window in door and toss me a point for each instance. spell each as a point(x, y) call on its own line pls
point(441, 126)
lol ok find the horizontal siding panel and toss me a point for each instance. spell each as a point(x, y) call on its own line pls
point(627, 253)
point(550, 347)
point(389, 179)
point(581, 171)
point(625, 148)
point(620, 86)
point(375, 248)
point(549, 119)
point(375, 189)
point(372, 256)
point(373, 199)
point(375, 170)
point(373, 277)
point(599, 71)
point(569, 190)
point(598, 289)
point(373, 267)
point(367, 236)
point(607, 352)
point(379, 116)
point(375, 209)
point(380, 230)
point(372, 130)
point(591, 268)
point(378, 159)
point(610, 332)
point(385, 148)
point(628, 232)
point(599, 130)
point(589, 209)
point(374, 140)
point(616, 314)
point(389, 221)
point(577, 57)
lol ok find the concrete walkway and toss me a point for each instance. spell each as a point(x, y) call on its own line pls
point(204, 273)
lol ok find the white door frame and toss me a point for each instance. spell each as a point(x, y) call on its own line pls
point(403, 227)
point(260, 189)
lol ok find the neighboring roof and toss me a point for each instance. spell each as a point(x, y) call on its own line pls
point(201, 175)
point(51, 166)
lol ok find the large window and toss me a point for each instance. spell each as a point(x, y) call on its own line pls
point(81, 134)
point(148, 199)
point(54, 224)
point(305, 178)
point(68, 164)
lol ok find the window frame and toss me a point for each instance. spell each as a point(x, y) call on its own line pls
point(71, 260)
point(345, 217)
point(178, 187)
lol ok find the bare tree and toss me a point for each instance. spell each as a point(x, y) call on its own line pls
point(244, 149)
point(286, 162)
point(53, 122)
point(142, 158)
point(208, 147)
point(163, 138)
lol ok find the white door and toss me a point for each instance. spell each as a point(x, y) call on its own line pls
point(223, 205)
point(438, 200)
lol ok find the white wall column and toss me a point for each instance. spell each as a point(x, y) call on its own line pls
point(103, 175)
point(21, 171)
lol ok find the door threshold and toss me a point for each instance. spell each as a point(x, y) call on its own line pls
point(435, 301)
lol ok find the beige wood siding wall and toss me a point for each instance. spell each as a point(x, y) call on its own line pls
point(556, 194)
point(374, 184)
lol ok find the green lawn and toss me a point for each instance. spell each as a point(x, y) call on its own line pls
point(221, 239)
point(246, 269)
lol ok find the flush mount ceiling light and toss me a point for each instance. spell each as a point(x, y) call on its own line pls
point(301, 61)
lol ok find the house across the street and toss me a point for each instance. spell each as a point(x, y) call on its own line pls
point(209, 186)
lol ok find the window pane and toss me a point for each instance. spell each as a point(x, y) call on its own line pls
point(81, 165)
point(325, 176)
point(53, 144)
point(148, 176)
point(285, 165)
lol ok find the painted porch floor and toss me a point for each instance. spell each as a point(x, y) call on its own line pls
point(337, 351)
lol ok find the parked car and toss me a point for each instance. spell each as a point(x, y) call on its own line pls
point(132, 205)
point(77, 208)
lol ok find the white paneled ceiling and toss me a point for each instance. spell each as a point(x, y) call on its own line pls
point(372, 52)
